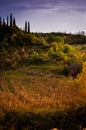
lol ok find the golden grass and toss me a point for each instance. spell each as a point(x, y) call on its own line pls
point(35, 93)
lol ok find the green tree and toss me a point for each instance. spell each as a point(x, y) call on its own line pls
point(14, 22)
point(25, 26)
point(7, 21)
point(11, 20)
point(28, 27)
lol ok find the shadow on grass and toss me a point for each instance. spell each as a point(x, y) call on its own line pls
point(63, 120)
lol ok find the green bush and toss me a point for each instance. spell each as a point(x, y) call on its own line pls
point(53, 38)
point(35, 58)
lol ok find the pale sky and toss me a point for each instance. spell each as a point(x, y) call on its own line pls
point(47, 15)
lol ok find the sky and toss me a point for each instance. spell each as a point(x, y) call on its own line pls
point(47, 15)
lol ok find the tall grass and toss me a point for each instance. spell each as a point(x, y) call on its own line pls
point(35, 93)
point(40, 102)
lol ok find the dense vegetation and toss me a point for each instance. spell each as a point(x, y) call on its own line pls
point(19, 48)
point(42, 79)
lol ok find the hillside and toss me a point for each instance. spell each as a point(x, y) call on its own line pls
point(19, 48)
point(42, 80)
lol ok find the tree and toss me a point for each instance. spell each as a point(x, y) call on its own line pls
point(7, 21)
point(28, 27)
point(11, 20)
point(14, 22)
point(25, 26)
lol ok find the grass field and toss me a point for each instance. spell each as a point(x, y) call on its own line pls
point(38, 88)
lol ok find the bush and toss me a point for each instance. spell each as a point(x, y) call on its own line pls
point(35, 58)
point(53, 38)
point(74, 69)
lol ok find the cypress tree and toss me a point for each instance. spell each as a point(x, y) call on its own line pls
point(11, 20)
point(28, 27)
point(7, 21)
point(25, 26)
point(14, 22)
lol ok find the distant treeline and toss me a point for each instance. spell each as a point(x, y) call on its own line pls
point(10, 21)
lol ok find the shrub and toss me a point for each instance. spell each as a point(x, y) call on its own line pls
point(35, 58)
point(74, 69)
point(53, 38)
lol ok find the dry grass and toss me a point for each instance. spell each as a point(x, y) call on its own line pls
point(36, 94)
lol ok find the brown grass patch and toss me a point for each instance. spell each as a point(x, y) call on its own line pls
point(35, 93)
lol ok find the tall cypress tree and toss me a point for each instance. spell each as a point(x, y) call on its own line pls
point(25, 26)
point(0, 21)
point(7, 21)
point(14, 22)
point(11, 20)
point(28, 27)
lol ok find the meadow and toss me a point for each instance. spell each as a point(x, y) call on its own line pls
point(31, 98)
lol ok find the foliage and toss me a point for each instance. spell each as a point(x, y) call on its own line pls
point(53, 38)
point(63, 55)
point(35, 58)
point(68, 59)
